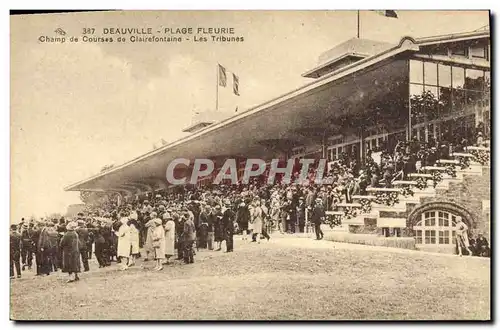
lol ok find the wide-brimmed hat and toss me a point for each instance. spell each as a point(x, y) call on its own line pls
point(158, 221)
point(71, 226)
point(167, 216)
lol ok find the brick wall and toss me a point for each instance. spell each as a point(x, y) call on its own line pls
point(468, 194)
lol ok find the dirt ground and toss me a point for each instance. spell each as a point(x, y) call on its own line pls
point(287, 278)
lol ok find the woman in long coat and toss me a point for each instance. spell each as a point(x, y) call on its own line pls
point(148, 245)
point(158, 236)
point(169, 236)
point(257, 219)
point(124, 244)
point(134, 238)
point(218, 228)
point(70, 252)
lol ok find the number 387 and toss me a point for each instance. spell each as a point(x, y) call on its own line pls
point(88, 30)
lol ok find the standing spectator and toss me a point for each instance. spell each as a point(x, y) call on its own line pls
point(257, 219)
point(169, 236)
point(202, 230)
point(123, 249)
point(43, 251)
point(54, 247)
point(228, 223)
point(242, 218)
point(218, 227)
point(71, 252)
point(317, 217)
point(83, 235)
point(27, 233)
point(462, 237)
point(189, 236)
point(100, 246)
point(15, 251)
point(210, 227)
point(301, 214)
point(159, 243)
point(150, 226)
point(134, 238)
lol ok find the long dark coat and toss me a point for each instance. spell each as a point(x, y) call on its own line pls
point(71, 252)
point(218, 228)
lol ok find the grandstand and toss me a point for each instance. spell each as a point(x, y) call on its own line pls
point(364, 95)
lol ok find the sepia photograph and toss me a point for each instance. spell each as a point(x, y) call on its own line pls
point(244, 165)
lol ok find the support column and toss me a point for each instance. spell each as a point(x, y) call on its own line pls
point(408, 131)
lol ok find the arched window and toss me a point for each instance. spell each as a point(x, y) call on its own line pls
point(436, 227)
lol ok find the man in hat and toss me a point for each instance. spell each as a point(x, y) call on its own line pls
point(317, 217)
point(28, 244)
point(15, 251)
point(228, 225)
point(54, 246)
point(301, 214)
point(83, 236)
point(203, 228)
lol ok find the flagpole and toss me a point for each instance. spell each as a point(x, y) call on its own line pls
point(217, 89)
point(358, 23)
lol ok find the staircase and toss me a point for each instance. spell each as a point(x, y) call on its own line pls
point(390, 207)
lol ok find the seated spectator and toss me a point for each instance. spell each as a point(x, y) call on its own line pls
point(481, 246)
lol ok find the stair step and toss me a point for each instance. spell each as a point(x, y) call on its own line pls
point(420, 175)
point(363, 197)
point(462, 154)
point(448, 161)
point(403, 183)
point(386, 208)
point(391, 222)
point(349, 205)
point(373, 189)
point(433, 168)
point(478, 148)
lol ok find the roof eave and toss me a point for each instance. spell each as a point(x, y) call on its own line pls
point(404, 45)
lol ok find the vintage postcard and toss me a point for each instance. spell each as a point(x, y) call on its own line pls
point(250, 165)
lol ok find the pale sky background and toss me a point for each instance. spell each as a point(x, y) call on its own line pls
point(78, 107)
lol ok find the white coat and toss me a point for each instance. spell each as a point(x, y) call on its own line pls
point(257, 220)
point(159, 242)
point(134, 239)
point(123, 249)
point(170, 237)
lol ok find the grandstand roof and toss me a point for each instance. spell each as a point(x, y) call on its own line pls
point(314, 105)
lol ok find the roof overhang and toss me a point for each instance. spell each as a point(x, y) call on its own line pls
point(197, 126)
point(313, 104)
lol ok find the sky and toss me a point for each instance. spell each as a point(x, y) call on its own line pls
point(78, 107)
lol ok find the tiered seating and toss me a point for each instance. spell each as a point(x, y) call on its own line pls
point(407, 192)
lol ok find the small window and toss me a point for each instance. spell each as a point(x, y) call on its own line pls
point(416, 72)
point(418, 236)
point(478, 52)
point(474, 79)
point(459, 51)
point(444, 75)
point(458, 77)
point(430, 73)
point(430, 237)
point(444, 237)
